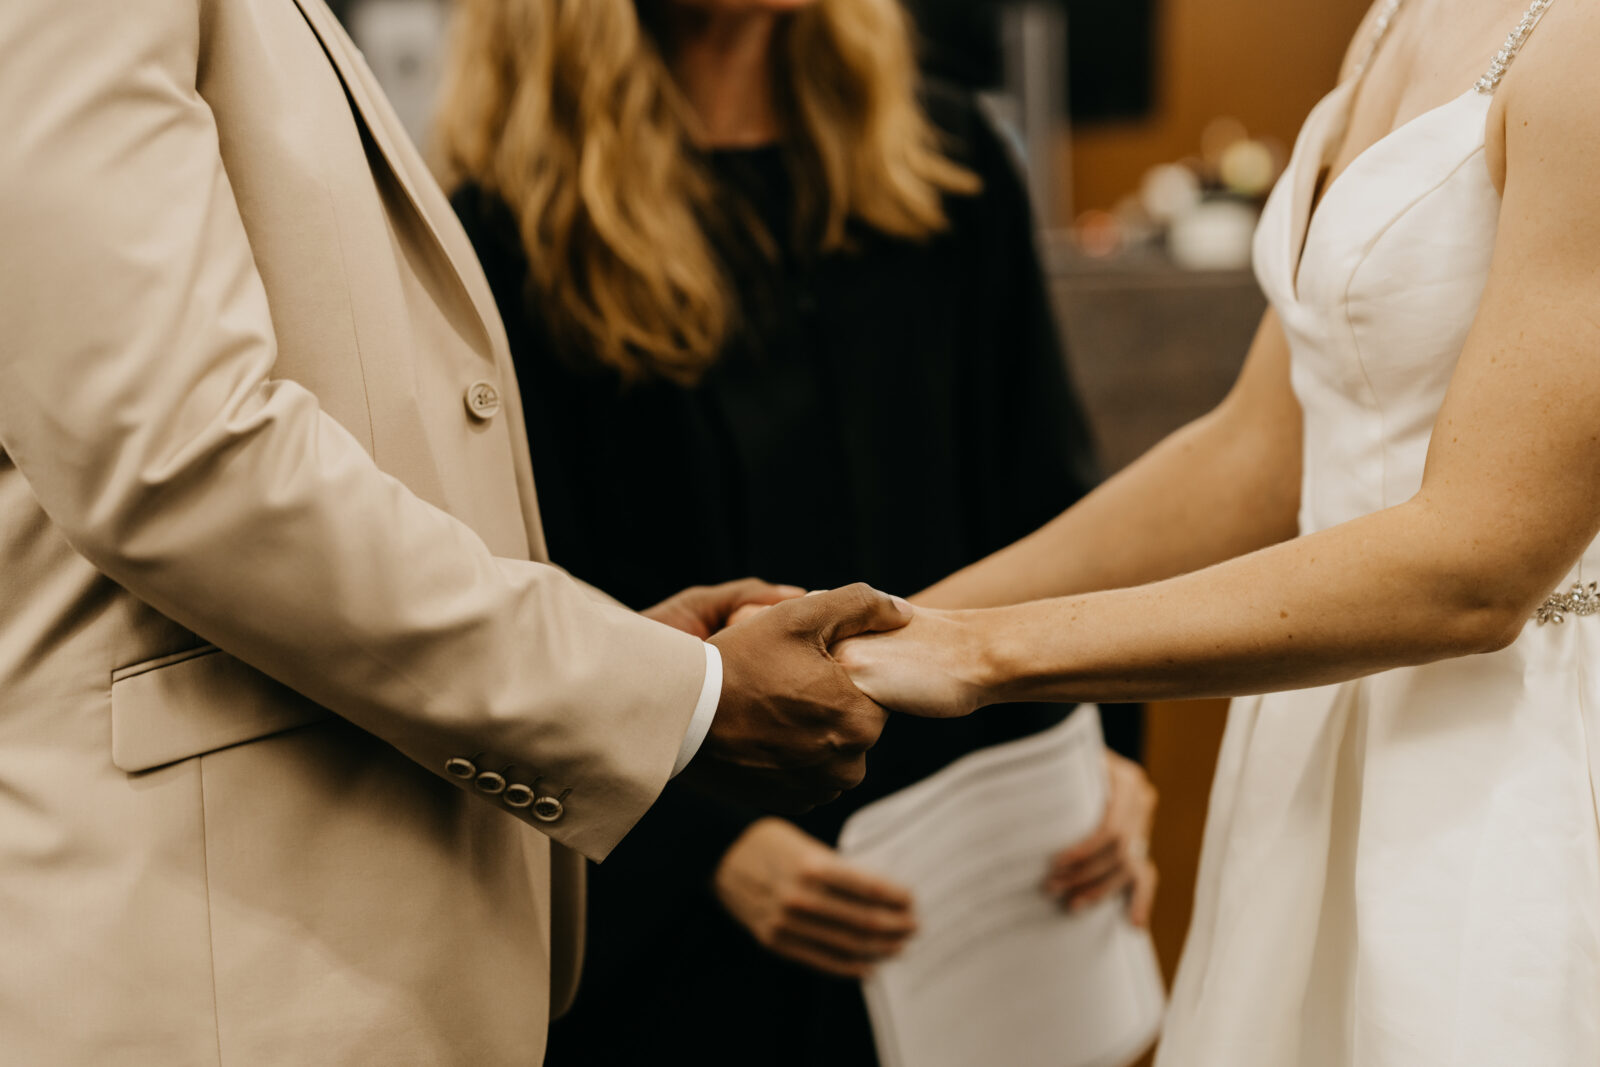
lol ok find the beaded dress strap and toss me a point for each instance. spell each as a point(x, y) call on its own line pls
point(1380, 30)
point(1508, 52)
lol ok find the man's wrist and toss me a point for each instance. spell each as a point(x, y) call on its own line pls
point(705, 710)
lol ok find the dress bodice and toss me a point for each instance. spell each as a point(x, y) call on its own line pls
point(1376, 292)
point(1378, 286)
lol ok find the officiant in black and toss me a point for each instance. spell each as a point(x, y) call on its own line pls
point(872, 389)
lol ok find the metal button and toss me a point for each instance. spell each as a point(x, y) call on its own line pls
point(517, 796)
point(464, 769)
point(490, 783)
point(548, 809)
point(483, 400)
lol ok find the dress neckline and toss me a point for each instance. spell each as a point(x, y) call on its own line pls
point(1344, 94)
point(1315, 196)
point(1307, 217)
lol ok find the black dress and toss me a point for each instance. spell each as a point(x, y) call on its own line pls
point(888, 416)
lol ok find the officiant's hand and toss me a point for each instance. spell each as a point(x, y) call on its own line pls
point(703, 610)
point(1113, 859)
point(800, 900)
point(791, 731)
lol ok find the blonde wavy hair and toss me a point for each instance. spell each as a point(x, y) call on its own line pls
point(566, 110)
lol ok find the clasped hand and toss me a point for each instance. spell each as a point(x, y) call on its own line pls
point(791, 731)
point(807, 678)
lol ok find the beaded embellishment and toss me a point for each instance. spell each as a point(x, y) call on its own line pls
point(1579, 600)
point(1380, 30)
point(1519, 36)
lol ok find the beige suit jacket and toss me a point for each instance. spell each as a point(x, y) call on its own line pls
point(266, 523)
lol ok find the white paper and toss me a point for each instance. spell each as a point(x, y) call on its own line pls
point(998, 973)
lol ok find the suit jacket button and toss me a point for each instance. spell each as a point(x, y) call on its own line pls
point(548, 809)
point(464, 769)
point(483, 400)
point(490, 783)
point(517, 796)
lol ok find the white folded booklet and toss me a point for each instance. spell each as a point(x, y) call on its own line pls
point(998, 973)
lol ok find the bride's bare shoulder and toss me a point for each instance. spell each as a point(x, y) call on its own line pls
point(1557, 58)
point(1542, 142)
point(1544, 110)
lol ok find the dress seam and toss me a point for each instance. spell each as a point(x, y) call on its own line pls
point(1350, 328)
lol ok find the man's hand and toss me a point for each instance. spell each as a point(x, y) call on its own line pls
point(791, 731)
point(1113, 859)
point(705, 609)
point(801, 901)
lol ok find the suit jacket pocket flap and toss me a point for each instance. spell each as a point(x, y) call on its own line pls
point(191, 703)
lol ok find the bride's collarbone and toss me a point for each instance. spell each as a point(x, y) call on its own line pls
point(1436, 52)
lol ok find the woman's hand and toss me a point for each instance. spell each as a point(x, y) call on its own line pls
point(932, 667)
point(1113, 859)
point(801, 901)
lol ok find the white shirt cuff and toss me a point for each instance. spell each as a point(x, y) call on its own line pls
point(704, 711)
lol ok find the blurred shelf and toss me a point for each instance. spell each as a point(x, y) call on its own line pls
point(1136, 267)
point(1152, 346)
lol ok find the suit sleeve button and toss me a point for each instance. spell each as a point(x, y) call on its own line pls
point(483, 400)
point(490, 783)
point(517, 796)
point(548, 809)
point(464, 769)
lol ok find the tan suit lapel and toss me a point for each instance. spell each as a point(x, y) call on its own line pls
point(372, 110)
point(377, 116)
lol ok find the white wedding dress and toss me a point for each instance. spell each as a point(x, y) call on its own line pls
point(1400, 871)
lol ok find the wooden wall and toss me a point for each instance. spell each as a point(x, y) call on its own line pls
point(1264, 62)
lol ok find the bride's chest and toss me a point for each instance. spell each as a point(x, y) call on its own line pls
point(1378, 287)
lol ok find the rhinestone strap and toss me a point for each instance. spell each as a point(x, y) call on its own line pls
point(1380, 30)
point(1519, 36)
point(1579, 600)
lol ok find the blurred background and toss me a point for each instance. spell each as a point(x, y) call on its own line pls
point(1150, 132)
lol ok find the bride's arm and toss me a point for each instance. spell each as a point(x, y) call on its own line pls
point(1225, 484)
point(1510, 497)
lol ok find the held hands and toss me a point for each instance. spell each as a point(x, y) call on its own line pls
point(791, 730)
point(934, 667)
point(1113, 859)
point(801, 901)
